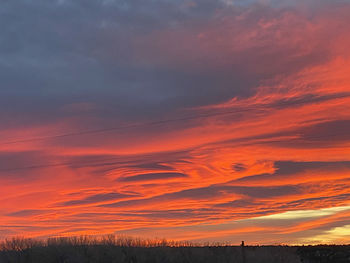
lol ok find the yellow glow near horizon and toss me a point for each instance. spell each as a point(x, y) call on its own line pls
point(300, 214)
point(336, 235)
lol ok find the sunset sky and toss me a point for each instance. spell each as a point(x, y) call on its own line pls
point(203, 120)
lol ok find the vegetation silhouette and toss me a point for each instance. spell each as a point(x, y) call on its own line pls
point(123, 249)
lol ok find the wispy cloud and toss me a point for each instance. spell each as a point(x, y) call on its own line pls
point(195, 120)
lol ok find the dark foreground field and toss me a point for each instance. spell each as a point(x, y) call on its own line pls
point(81, 252)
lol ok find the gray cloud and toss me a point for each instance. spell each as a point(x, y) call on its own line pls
point(307, 99)
point(26, 213)
point(107, 53)
point(152, 176)
point(22, 165)
point(239, 167)
point(215, 191)
point(96, 199)
point(291, 168)
point(325, 133)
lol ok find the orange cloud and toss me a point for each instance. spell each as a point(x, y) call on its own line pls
point(283, 146)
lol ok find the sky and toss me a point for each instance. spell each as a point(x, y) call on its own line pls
point(207, 120)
